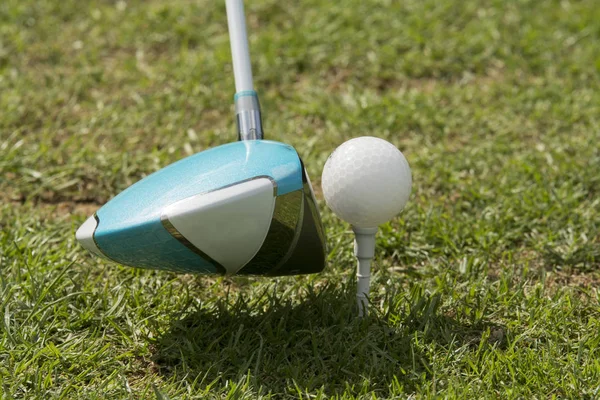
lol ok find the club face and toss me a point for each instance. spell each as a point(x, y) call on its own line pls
point(241, 208)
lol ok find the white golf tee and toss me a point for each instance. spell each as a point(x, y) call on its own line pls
point(364, 250)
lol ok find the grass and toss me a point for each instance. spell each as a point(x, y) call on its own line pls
point(486, 286)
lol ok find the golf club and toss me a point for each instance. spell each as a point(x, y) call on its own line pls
point(241, 208)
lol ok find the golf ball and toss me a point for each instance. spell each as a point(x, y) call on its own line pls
point(366, 181)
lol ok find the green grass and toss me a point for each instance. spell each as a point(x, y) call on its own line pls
point(487, 286)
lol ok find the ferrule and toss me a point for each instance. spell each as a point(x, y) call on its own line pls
point(248, 116)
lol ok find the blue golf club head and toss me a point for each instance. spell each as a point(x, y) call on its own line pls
point(240, 208)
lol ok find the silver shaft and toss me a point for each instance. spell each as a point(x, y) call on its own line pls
point(247, 106)
point(242, 69)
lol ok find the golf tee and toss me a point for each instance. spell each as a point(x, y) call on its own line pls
point(364, 250)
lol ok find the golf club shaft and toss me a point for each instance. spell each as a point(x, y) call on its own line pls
point(242, 69)
point(247, 107)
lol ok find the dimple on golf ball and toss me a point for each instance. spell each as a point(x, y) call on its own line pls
point(366, 181)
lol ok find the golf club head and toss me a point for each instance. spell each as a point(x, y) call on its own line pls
point(241, 208)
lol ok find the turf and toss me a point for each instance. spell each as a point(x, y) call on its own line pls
point(487, 286)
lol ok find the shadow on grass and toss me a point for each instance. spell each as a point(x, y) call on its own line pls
point(314, 342)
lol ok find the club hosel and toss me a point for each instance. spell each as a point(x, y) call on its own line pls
point(248, 116)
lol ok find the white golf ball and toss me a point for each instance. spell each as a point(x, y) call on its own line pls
point(366, 181)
